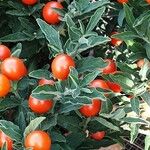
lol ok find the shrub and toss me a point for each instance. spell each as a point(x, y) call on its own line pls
point(61, 51)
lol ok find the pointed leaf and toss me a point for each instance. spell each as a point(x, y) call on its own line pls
point(41, 73)
point(135, 103)
point(95, 63)
point(89, 78)
point(129, 15)
point(51, 34)
point(106, 123)
point(95, 19)
point(34, 124)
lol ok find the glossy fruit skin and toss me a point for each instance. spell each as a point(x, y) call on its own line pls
point(110, 68)
point(50, 15)
point(5, 85)
point(29, 2)
point(122, 1)
point(13, 68)
point(60, 66)
point(99, 83)
point(114, 41)
point(140, 63)
point(91, 110)
point(4, 52)
point(38, 140)
point(4, 138)
point(46, 82)
point(115, 87)
point(98, 136)
point(40, 106)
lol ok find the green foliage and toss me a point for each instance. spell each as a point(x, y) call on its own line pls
point(84, 33)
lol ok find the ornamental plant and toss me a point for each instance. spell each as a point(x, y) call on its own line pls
point(74, 74)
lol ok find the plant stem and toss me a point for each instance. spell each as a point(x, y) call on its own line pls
point(86, 123)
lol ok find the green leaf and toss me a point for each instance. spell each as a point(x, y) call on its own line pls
point(78, 100)
point(95, 94)
point(118, 114)
point(14, 132)
point(106, 123)
point(93, 41)
point(51, 35)
point(75, 139)
point(121, 17)
point(15, 37)
point(67, 107)
point(57, 137)
point(73, 31)
point(95, 19)
point(17, 13)
point(142, 18)
point(17, 50)
point(15, 5)
point(8, 103)
point(129, 15)
point(61, 12)
point(95, 5)
point(41, 73)
point(74, 34)
point(134, 120)
point(25, 83)
point(134, 132)
point(89, 78)
point(27, 24)
point(34, 124)
point(147, 143)
point(126, 35)
point(49, 122)
point(82, 4)
point(95, 63)
point(4, 147)
point(147, 47)
point(82, 26)
point(56, 147)
point(107, 106)
point(124, 81)
point(125, 68)
point(21, 120)
point(69, 21)
point(74, 77)
point(135, 104)
point(45, 92)
point(71, 47)
point(71, 123)
point(146, 97)
point(65, 146)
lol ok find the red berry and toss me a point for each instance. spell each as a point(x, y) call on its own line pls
point(49, 14)
point(4, 52)
point(115, 87)
point(122, 1)
point(46, 82)
point(99, 83)
point(115, 41)
point(110, 68)
point(91, 110)
point(98, 135)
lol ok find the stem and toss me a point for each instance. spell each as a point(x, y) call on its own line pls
point(14, 89)
point(86, 123)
